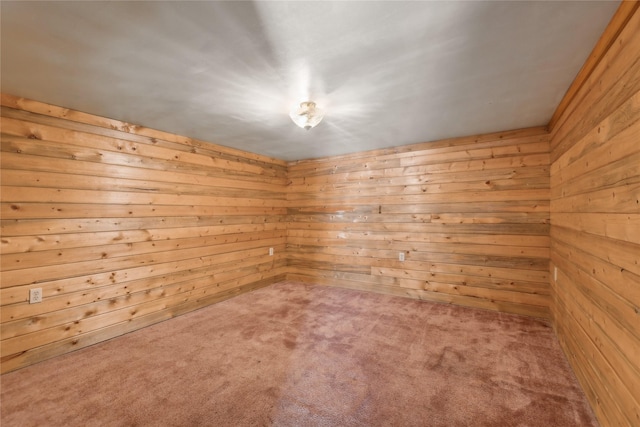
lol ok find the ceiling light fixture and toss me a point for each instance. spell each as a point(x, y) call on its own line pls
point(306, 115)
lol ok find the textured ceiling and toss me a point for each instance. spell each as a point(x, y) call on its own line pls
point(387, 73)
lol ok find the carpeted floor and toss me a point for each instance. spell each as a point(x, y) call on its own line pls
point(300, 355)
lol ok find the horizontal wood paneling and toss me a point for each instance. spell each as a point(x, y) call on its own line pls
point(123, 226)
point(595, 225)
point(471, 216)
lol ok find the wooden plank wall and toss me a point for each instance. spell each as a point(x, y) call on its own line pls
point(471, 216)
point(123, 227)
point(595, 228)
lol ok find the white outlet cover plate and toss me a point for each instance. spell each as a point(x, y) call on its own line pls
point(35, 295)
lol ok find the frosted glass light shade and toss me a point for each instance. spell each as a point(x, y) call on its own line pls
point(307, 115)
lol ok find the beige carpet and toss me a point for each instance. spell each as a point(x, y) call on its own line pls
point(301, 355)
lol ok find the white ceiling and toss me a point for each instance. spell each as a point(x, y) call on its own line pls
point(387, 73)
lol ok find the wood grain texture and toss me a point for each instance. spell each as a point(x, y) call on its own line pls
point(471, 216)
point(123, 226)
point(595, 225)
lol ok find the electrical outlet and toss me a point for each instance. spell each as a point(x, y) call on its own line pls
point(35, 295)
point(555, 273)
point(400, 256)
point(270, 251)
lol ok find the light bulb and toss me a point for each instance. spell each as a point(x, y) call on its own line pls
point(307, 115)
